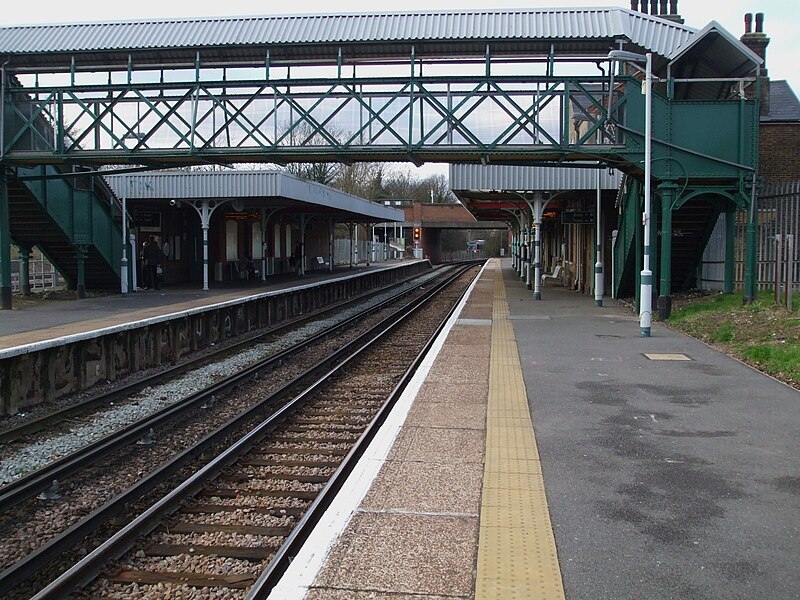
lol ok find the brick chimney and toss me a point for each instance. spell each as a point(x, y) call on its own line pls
point(666, 9)
point(758, 41)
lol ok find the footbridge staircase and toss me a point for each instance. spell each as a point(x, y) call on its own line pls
point(692, 225)
point(71, 220)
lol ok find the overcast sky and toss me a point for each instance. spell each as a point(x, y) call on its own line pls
point(781, 24)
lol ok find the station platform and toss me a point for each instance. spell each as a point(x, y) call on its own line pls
point(43, 320)
point(546, 450)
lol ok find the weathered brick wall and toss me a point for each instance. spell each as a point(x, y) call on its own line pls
point(440, 213)
point(779, 152)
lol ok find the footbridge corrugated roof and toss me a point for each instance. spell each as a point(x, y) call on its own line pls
point(523, 26)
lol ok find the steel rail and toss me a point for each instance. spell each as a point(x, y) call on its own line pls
point(90, 566)
point(47, 553)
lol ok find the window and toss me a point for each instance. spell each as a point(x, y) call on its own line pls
point(257, 249)
point(231, 240)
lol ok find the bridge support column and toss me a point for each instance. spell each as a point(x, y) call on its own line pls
point(24, 270)
point(5, 246)
point(665, 282)
point(750, 283)
point(730, 239)
point(81, 256)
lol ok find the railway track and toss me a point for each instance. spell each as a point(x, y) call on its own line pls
point(285, 465)
point(61, 467)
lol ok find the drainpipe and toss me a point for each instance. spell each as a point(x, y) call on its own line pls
point(330, 244)
point(528, 251)
point(614, 235)
point(123, 266)
point(302, 267)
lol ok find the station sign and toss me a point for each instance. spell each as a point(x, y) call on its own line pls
point(577, 217)
point(147, 221)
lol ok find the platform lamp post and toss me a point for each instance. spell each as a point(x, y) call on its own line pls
point(598, 265)
point(646, 276)
point(123, 263)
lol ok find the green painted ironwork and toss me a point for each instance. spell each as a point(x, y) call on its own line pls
point(421, 118)
point(282, 114)
point(83, 216)
point(5, 246)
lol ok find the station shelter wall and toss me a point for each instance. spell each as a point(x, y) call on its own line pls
point(572, 245)
point(233, 235)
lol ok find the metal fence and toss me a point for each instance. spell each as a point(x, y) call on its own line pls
point(777, 254)
point(365, 252)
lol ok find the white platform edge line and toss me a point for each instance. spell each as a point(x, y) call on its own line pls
point(305, 567)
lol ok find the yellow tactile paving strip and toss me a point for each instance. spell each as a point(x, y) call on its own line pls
point(517, 556)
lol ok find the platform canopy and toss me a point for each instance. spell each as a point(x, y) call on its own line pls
point(490, 191)
point(272, 189)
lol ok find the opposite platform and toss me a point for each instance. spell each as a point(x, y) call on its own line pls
point(56, 318)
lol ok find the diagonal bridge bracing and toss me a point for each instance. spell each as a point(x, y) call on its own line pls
point(443, 119)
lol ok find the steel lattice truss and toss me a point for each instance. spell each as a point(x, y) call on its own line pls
point(441, 118)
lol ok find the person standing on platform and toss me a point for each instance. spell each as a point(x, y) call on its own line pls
point(246, 265)
point(151, 255)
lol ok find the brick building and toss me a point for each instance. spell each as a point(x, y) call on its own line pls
point(779, 143)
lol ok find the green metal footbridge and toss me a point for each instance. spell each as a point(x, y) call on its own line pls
point(533, 87)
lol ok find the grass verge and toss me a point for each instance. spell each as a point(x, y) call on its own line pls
point(761, 334)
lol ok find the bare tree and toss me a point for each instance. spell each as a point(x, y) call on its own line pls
point(362, 179)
